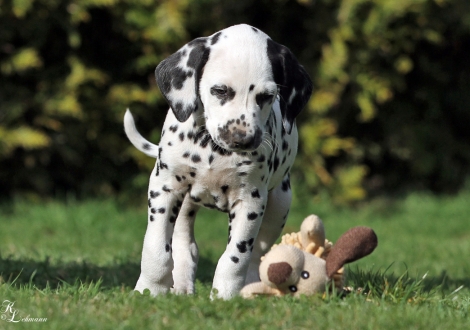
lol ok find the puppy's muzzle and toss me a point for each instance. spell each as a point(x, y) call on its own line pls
point(240, 139)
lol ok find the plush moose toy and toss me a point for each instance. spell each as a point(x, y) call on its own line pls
point(305, 263)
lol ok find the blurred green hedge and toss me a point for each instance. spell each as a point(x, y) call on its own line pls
point(389, 111)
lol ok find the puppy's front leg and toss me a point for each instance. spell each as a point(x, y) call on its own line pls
point(245, 218)
point(185, 250)
point(157, 261)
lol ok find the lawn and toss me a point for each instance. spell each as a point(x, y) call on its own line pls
point(76, 263)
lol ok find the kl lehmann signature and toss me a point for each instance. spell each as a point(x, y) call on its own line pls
point(9, 313)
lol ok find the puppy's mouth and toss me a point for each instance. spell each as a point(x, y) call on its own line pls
point(239, 140)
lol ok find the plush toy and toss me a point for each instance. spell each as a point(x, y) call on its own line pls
point(305, 263)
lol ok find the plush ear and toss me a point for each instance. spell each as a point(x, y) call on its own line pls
point(295, 86)
point(178, 77)
point(354, 244)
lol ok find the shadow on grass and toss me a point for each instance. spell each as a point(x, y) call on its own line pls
point(123, 273)
point(42, 274)
point(403, 286)
point(445, 282)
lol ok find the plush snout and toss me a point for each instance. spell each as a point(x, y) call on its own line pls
point(293, 271)
point(281, 267)
point(279, 272)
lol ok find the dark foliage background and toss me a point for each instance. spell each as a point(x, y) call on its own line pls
point(389, 111)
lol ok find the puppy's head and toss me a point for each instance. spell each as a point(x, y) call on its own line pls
point(231, 80)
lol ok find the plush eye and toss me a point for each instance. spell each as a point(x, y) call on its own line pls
point(219, 90)
point(305, 275)
point(293, 288)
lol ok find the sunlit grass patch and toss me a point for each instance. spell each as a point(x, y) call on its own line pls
point(76, 264)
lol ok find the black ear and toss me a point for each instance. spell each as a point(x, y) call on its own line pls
point(295, 86)
point(178, 77)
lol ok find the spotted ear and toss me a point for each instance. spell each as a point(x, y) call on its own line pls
point(178, 77)
point(295, 86)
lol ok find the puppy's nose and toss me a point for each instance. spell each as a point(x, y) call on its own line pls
point(279, 272)
point(240, 140)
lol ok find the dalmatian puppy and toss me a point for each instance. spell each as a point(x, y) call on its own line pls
point(228, 143)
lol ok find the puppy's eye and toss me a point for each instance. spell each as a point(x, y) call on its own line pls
point(293, 288)
point(219, 90)
point(305, 275)
point(263, 98)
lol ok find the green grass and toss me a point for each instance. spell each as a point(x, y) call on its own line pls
point(76, 264)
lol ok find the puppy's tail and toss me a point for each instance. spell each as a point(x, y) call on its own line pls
point(136, 139)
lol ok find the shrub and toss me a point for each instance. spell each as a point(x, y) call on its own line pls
point(389, 110)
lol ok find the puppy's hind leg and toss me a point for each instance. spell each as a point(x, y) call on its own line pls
point(277, 209)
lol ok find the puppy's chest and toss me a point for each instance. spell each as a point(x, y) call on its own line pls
point(211, 175)
point(190, 162)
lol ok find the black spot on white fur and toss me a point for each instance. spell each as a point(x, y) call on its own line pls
point(242, 247)
point(255, 194)
point(154, 194)
point(215, 38)
point(196, 158)
point(263, 98)
point(285, 185)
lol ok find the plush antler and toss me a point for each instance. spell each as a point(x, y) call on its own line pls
point(356, 243)
point(312, 234)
